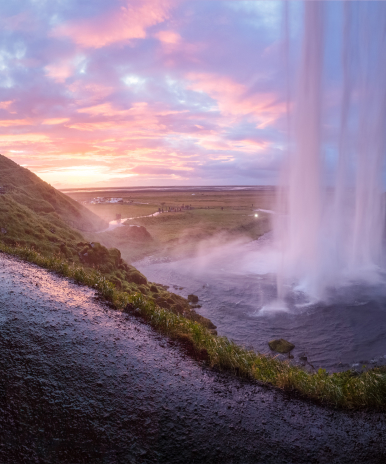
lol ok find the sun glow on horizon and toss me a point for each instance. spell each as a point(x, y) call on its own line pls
point(73, 176)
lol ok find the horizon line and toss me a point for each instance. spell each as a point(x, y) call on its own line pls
point(143, 187)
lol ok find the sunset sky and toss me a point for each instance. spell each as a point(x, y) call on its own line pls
point(143, 92)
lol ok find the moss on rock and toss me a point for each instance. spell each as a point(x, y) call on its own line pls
point(133, 275)
point(281, 346)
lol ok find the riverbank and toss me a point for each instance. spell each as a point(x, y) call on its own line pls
point(237, 289)
point(341, 389)
point(83, 383)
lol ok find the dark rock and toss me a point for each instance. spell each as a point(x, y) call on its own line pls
point(134, 233)
point(130, 308)
point(281, 346)
point(162, 302)
point(165, 287)
point(143, 289)
point(136, 277)
point(193, 298)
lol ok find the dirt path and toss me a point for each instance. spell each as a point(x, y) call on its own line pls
point(81, 383)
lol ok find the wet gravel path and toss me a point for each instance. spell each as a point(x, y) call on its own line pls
point(81, 383)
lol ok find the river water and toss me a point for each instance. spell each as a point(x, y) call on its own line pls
point(236, 286)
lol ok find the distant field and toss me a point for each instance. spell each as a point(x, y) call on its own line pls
point(223, 214)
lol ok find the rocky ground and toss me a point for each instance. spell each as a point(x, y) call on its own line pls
point(82, 383)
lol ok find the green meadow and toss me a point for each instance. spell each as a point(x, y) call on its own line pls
point(225, 215)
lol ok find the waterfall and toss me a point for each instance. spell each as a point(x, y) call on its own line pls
point(333, 222)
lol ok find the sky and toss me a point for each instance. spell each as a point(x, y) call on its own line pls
point(143, 92)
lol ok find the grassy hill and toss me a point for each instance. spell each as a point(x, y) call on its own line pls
point(27, 189)
point(35, 215)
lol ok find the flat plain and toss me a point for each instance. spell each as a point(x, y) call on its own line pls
point(191, 217)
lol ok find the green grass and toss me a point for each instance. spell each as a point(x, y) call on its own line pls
point(109, 211)
point(34, 214)
point(201, 199)
point(24, 226)
point(179, 234)
point(42, 200)
point(226, 215)
point(344, 389)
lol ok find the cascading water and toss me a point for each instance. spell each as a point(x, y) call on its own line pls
point(332, 231)
point(330, 226)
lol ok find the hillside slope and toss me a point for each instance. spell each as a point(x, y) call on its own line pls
point(35, 215)
point(27, 189)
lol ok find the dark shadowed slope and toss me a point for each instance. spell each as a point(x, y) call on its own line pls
point(80, 383)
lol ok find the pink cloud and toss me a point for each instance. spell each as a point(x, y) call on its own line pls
point(245, 145)
point(15, 122)
point(139, 119)
point(59, 72)
point(54, 121)
point(104, 109)
point(6, 104)
point(85, 92)
point(169, 37)
point(176, 49)
point(23, 138)
point(128, 22)
point(235, 99)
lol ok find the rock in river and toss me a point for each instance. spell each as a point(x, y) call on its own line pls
point(193, 298)
point(281, 346)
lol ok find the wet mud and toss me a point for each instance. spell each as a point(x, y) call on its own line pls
point(82, 383)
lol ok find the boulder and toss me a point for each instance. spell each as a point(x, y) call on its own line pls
point(193, 298)
point(281, 346)
point(162, 302)
point(136, 277)
point(131, 232)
